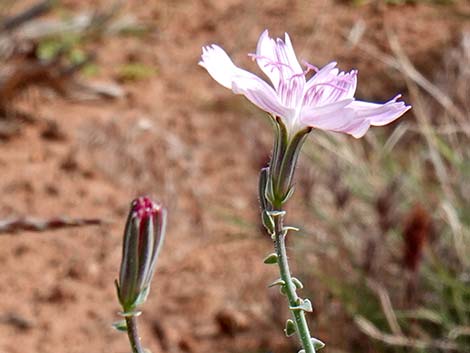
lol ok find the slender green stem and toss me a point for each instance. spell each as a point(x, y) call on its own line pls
point(134, 339)
point(290, 290)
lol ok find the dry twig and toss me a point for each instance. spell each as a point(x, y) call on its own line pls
point(41, 225)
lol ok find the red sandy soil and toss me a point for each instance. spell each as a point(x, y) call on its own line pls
point(189, 142)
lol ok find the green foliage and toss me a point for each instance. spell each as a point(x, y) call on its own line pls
point(136, 71)
point(68, 45)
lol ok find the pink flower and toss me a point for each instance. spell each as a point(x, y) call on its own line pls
point(324, 101)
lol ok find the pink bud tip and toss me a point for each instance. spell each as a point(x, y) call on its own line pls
point(144, 207)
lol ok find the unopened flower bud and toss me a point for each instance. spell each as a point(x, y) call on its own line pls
point(143, 239)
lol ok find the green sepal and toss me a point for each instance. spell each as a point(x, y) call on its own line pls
point(297, 283)
point(290, 328)
point(270, 259)
point(269, 193)
point(317, 344)
point(120, 325)
point(285, 173)
point(305, 305)
point(268, 221)
point(142, 296)
point(116, 284)
point(288, 194)
point(263, 181)
point(278, 282)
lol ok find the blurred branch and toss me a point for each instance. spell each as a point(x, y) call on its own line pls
point(30, 13)
point(459, 331)
point(399, 340)
point(90, 23)
point(41, 225)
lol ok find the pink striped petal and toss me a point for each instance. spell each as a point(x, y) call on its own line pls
point(313, 115)
point(322, 75)
point(379, 114)
point(262, 95)
point(288, 50)
point(219, 65)
point(266, 57)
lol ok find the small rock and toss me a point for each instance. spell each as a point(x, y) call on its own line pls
point(231, 321)
point(52, 131)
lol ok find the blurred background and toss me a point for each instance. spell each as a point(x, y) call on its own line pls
point(101, 101)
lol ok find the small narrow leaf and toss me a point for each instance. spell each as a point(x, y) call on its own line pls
point(268, 221)
point(317, 344)
point(271, 259)
point(278, 282)
point(120, 325)
point(297, 283)
point(276, 213)
point(307, 305)
point(304, 305)
point(290, 328)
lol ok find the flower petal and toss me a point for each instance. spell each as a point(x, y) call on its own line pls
point(266, 57)
point(219, 65)
point(329, 85)
point(261, 94)
point(290, 54)
point(355, 118)
point(342, 120)
point(312, 115)
point(323, 74)
point(333, 117)
point(379, 114)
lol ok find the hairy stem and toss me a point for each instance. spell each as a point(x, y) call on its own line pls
point(134, 339)
point(302, 329)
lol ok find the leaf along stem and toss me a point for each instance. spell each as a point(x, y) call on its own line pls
point(302, 329)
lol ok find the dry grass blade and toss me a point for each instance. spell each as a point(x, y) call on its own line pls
point(461, 235)
point(41, 225)
point(422, 116)
point(421, 113)
point(398, 340)
point(386, 304)
point(408, 69)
